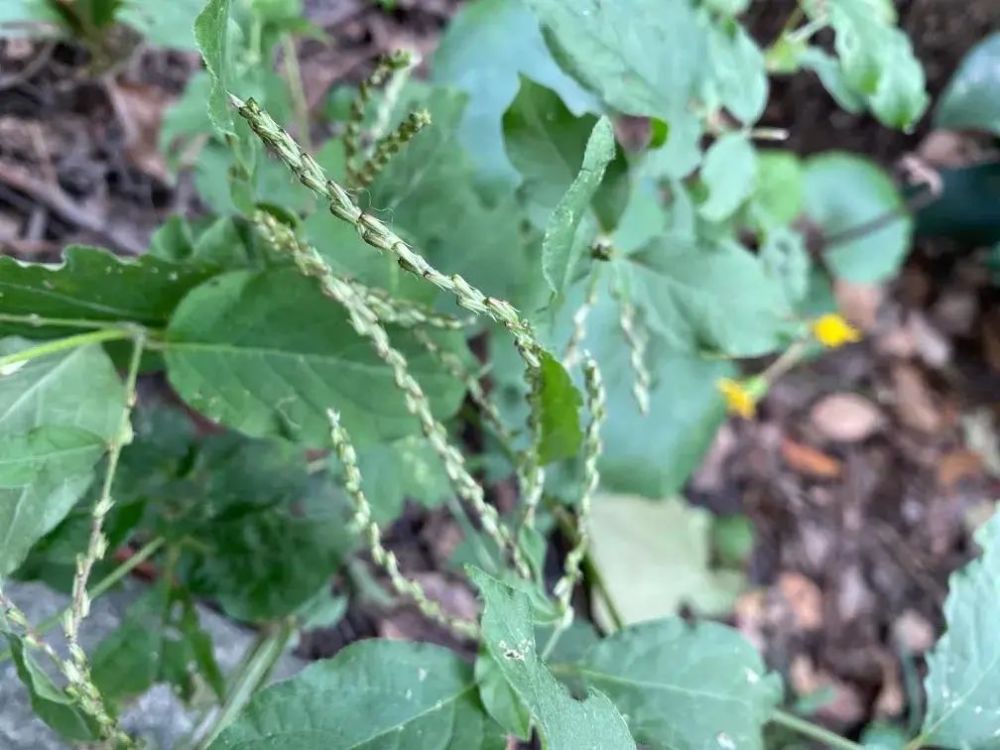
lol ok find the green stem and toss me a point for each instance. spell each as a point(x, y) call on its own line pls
point(253, 672)
point(102, 586)
point(70, 342)
point(39, 321)
point(813, 731)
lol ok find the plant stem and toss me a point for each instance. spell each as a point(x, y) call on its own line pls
point(39, 321)
point(70, 342)
point(814, 731)
point(260, 660)
point(102, 586)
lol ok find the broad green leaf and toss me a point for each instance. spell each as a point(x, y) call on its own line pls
point(685, 687)
point(487, 44)
point(729, 173)
point(267, 354)
point(972, 99)
point(163, 24)
point(876, 58)
point(375, 695)
point(266, 536)
point(42, 474)
point(16, 16)
point(560, 413)
point(784, 257)
point(56, 415)
point(655, 557)
point(560, 250)
point(211, 31)
point(563, 722)
point(406, 469)
point(50, 703)
point(739, 77)
point(729, 7)
point(963, 678)
point(844, 191)
point(832, 76)
point(500, 700)
point(680, 155)
point(642, 56)
point(777, 198)
point(93, 284)
point(716, 298)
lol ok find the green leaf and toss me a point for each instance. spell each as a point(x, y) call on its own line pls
point(406, 469)
point(211, 31)
point(843, 192)
point(560, 250)
point(500, 700)
point(832, 76)
point(963, 678)
point(266, 537)
point(50, 704)
point(655, 557)
point(685, 687)
point(716, 298)
point(94, 284)
point(729, 173)
point(739, 77)
point(972, 99)
point(267, 354)
point(56, 415)
point(784, 257)
point(680, 155)
point(642, 56)
point(485, 47)
point(163, 24)
point(560, 413)
point(777, 198)
point(563, 722)
point(876, 58)
point(375, 695)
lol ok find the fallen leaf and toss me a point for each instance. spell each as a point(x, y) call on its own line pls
point(654, 556)
point(913, 632)
point(859, 303)
point(810, 461)
point(139, 109)
point(915, 405)
point(958, 465)
point(846, 417)
point(932, 347)
point(802, 599)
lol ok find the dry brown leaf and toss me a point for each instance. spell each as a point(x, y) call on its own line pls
point(846, 417)
point(859, 303)
point(915, 405)
point(804, 459)
point(958, 465)
point(139, 109)
point(803, 600)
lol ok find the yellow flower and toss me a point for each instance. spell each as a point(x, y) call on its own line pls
point(741, 397)
point(833, 331)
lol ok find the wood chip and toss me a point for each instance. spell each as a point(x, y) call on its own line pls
point(915, 404)
point(809, 461)
point(846, 417)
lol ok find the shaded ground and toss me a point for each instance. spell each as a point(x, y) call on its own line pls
point(866, 470)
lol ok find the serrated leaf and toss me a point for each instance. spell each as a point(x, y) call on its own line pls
point(843, 191)
point(50, 703)
point(963, 678)
point(655, 556)
point(563, 722)
point(267, 354)
point(485, 47)
point(57, 414)
point(708, 298)
point(560, 250)
point(876, 58)
point(729, 173)
point(972, 98)
point(641, 56)
point(560, 413)
point(685, 687)
point(93, 284)
point(374, 695)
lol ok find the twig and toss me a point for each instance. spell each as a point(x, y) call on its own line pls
point(11, 361)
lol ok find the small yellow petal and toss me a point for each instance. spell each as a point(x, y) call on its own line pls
point(739, 400)
point(833, 331)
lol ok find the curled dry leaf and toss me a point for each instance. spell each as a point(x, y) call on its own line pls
point(846, 417)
